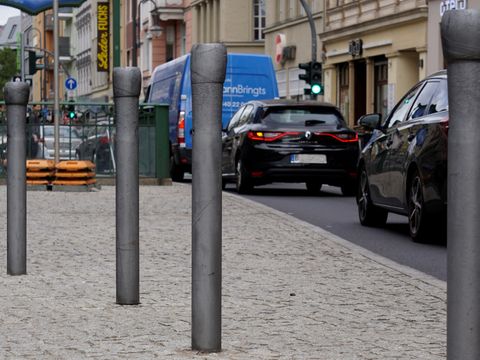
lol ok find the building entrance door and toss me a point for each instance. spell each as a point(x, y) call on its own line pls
point(360, 91)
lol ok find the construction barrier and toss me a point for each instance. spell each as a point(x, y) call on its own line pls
point(40, 172)
point(74, 173)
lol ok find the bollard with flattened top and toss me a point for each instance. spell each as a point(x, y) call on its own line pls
point(208, 75)
point(460, 31)
point(126, 91)
point(16, 99)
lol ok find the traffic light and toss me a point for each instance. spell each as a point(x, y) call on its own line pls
point(316, 78)
point(71, 114)
point(308, 68)
point(33, 57)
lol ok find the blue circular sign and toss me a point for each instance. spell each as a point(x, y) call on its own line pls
point(71, 83)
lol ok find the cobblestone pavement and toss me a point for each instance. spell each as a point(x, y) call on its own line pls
point(290, 290)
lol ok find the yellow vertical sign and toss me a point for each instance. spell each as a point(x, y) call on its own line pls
point(103, 37)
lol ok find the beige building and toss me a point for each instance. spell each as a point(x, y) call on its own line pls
point(237, 24)
point(372, 51)
point(288, 39)
point(436, 9)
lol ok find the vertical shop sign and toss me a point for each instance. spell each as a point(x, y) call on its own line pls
point(103, 37)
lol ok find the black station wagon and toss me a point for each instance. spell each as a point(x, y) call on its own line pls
point(289, 141)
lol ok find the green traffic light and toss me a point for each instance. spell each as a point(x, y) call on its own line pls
point(316, 89)
point(71, 114)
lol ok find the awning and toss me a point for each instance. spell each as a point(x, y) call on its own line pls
point(33, 7)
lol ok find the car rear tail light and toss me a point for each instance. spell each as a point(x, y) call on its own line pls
point(104, 140)
point(342, 137)
point(256, 174)
point(269, 136)
point(181, 129)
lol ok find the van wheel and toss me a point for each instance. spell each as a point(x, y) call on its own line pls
point(243, 184)
point(176, 172)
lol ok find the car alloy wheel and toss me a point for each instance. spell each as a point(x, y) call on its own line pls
point(369, 214)
point(243, 183)
point(417, 218)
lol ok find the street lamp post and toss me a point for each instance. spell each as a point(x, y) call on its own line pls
point(155, 29)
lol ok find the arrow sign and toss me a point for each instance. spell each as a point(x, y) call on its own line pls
point(71, 83)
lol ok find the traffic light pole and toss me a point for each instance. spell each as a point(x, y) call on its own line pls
point(313, 31)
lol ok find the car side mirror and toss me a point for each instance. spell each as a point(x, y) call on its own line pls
point(370, 121)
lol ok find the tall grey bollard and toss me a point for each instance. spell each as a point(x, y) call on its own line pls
point(16, 99)
point(461, 47)
point(126, 90)
point(208, 74)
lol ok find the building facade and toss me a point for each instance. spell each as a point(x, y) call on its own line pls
point(372, 51)
point(288, 39)
point(237, 24)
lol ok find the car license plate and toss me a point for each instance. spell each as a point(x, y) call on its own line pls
point(308, 159)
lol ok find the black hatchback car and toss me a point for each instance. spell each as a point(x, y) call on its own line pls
point(403, 168)
point(289, 141)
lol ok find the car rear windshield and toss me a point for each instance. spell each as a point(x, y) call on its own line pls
point(302, 116)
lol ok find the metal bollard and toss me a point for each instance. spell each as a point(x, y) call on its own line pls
point(208, 75)
point(126, 91)
point(461, 47)
point(16, 99)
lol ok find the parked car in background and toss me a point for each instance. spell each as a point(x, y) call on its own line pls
point(289, 141)
point(98, 147)
point(69, 139)
point(403, 168)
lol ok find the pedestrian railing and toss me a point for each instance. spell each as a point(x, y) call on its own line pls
point(87, 132)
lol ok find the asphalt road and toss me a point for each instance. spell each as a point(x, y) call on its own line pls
point(338, 214)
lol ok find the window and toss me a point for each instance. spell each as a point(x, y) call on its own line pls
point(245, 115)
point(234, 120)
point(305, 116)
point(258, 19)
point(419, 108)
point(398, 113)
point(440, 98)
point(12, 31)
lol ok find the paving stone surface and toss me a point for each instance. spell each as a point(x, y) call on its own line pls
point(290, 290)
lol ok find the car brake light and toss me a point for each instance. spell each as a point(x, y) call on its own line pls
point(269, 136)
point(104, 140)
point(342, 137)
point(181, 129)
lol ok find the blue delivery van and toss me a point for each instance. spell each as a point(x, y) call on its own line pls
point(248, 77)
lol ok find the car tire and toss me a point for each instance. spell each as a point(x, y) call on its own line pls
point(243, 182)
point(419, 224)
point(176, 172)
point(368, 214)
point(313, 187)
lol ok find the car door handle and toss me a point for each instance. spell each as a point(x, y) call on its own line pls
point(410, 137)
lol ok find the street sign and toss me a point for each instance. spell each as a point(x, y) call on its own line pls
point(71, 83)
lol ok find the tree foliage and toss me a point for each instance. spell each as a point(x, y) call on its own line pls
point(8, 67)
